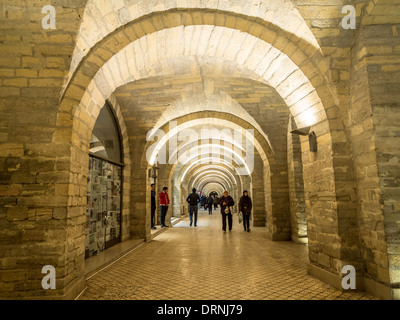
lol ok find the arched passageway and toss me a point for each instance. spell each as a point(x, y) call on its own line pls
point(213, 263)
point(205, 95)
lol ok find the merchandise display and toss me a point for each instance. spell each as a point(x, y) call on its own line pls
point(103, 212)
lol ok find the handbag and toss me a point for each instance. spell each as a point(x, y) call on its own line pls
point(240, 217)
point(227, 210)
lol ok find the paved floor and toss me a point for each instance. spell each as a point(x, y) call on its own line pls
point(203, 263)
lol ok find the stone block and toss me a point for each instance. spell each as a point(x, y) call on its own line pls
point(11, 149)
point(17, 214)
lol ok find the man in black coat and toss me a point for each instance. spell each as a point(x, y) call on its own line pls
point(226, 203)
point(210, 202)
point(193, 199)
point(245, 206)
point(153, 205)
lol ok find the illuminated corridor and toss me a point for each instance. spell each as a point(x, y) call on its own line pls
point(113, 111)
point(203, 263)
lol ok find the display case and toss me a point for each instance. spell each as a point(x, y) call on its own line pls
point(103, 213)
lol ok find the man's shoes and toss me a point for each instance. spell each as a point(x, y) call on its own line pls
point(248, 230)
point(195, 225)
point(153, 228)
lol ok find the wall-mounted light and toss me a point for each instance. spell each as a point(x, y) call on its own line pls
point(153, 172)
point(312, 137)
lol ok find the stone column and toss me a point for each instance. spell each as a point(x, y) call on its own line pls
point(140, 226)
point(259, 194)
point(296, 188)
point(176, 200)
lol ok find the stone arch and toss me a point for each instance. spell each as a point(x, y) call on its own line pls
point(260, 142)
point(212, 187)
point(372, 109)
point(291, 83)
point(208, 102)
point(76, 209)
point(200, 172)
point(307, 60)
point(194, 170)
point(380, 12)
point(215, 178)
point(273, 199)
point(182, 186)
point(98, 22)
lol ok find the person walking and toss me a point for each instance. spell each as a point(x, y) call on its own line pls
point(226, 203)
point(153, 206)
point(164, 204)
point(193, 200)
point(245, 206)
point(210, 203)
point(203, 202)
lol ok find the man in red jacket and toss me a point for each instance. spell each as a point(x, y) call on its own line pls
point(164, 203)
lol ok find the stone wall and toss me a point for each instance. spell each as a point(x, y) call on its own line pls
point(373, 120)
point(298, 217)
point(40, 223)
point(349, 78)
point(258, 194)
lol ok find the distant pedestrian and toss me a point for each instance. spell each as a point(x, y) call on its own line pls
point(153, 206)
point(226, 203)
point(164, 204)
point(245, 206)
point(203, 202)
point(210, 203)
point(193, 200)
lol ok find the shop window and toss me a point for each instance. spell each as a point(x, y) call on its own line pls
point(105, 141)
point(104, 188)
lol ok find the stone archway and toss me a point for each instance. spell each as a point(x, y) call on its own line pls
point(304, 95)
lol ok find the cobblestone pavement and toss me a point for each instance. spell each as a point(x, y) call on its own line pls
point(203, 263)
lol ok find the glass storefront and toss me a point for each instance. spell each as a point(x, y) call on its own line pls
point(104, 188)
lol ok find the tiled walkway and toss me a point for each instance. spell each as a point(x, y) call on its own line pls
point(203, 263)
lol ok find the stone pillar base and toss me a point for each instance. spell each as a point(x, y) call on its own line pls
point(283, 236)
point(299, 240)
point(259, 224)
point(72, 291)
point(380, 290)
point(75, 289)
point(362, 284)
point(332, 279)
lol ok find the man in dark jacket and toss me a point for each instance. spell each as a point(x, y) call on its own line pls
point(193, 199)
point(203, 201)
point(245, 206)
point(210, 202)
point(153, 206)
point(164, 204)
point(226, 202)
